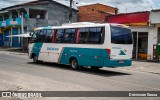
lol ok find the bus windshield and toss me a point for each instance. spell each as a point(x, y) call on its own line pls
point(121, 35)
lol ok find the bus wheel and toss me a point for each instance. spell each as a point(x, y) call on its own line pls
point(74, 63)
point(35, 59)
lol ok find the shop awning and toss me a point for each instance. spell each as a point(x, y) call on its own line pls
point(132, 19)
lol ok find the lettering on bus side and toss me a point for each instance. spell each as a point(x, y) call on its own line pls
point(73, 50)
point(51, 48)
point(116, 47)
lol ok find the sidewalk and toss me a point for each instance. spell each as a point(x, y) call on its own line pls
point(16, 51)
point(144, 66)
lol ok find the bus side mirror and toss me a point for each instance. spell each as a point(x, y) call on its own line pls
point(30, 34)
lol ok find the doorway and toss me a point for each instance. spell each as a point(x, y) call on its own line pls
point(140, 45)
point(158, 37)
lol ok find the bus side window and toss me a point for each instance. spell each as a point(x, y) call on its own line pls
point(95, 35)
point(83, 35)
point(69, 36)
point(48, 35)
point(45, 33)
point(59, 36)
point(40, 36)
point(91, 35)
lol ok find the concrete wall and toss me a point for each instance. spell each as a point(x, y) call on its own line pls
point(38, 7)
point(60, 14)
point(153, 30)
point(152, 39)
point(57, 14)
point(34, 23)
point(139, 28)
point(154, 17)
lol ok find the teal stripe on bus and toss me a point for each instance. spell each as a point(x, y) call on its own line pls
point(37, 48)
point(90, 57)
point(84, 56)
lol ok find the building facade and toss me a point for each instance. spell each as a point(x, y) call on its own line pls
point(95, 12)
point(154, 31)
point(139, 24)
point(35, 14)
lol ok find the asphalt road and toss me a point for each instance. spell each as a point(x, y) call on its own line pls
point(18, 73)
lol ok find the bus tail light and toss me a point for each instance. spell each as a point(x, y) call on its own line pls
point(109, 52)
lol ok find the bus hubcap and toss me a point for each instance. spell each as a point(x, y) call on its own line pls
point(35, 59)
point(74, 64)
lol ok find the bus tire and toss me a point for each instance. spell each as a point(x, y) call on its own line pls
point(35, 59)
point(74, 63)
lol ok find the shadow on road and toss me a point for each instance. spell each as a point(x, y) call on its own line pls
point(88, 70)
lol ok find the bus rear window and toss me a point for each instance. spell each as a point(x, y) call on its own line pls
point(121, 35)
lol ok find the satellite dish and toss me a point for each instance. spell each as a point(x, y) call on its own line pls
point(38, 16)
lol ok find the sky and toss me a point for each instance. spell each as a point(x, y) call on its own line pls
point(124, 6)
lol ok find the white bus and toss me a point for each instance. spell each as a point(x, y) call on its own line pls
point(83, 44)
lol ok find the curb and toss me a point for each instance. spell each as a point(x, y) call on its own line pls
point(17, 53)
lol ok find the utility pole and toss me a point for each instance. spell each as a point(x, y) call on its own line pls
point(22, 26)
point(22, 29)
point(70, 11)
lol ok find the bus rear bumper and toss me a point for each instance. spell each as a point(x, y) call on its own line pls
point(118, 63)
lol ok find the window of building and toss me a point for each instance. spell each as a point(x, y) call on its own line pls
point(35, 13)
point(69, 36)
point(59, 36)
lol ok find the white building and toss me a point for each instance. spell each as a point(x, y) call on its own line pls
point(154, 32)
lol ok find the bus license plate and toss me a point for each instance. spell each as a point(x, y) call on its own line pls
point(121, 61)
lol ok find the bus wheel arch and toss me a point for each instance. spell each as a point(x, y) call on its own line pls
point(33, 54)
point(74, 63)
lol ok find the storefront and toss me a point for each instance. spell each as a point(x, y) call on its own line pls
point(139, 25)
point(140, 45)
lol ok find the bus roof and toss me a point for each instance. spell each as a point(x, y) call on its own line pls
point(81, 24)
